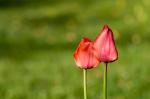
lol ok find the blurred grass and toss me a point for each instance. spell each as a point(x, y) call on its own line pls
point(38, 38)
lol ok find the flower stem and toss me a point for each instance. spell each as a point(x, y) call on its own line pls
point(105, 81)
point(85, 83)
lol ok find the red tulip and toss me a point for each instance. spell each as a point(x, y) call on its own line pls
point(84, 55)
point(105, 47)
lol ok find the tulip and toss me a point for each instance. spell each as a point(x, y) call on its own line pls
point(106, 51)
point(85, 58)
point(105, 46)
point(84, 55)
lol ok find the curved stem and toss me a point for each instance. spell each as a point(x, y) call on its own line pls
point(105, 82)
point(85, 83)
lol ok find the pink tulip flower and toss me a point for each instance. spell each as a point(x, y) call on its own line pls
point(104, 45)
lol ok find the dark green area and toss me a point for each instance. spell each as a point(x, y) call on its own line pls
point(38, 38)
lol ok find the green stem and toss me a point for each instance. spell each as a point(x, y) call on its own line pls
point(85, 83)
point(105, 82)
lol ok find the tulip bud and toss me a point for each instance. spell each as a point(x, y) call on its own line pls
point(84, 55)
point(104, 45)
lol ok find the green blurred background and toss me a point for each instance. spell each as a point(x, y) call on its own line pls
point(38, 38)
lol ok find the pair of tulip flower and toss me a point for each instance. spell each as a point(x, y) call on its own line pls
point(89, 54)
